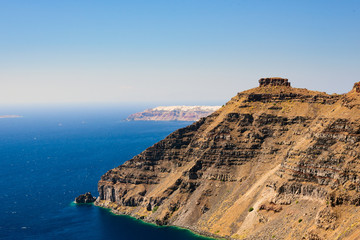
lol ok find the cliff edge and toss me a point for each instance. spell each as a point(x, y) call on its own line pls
point(275, 162)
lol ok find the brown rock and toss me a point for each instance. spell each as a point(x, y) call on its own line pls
point(357, 87)
point(295, 148)
point(274, 82)
point(270, 207)
point(326, 219)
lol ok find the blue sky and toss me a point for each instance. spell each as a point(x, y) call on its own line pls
point(173, 51)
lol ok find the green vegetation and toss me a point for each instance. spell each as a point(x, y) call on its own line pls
point(251, 209)
point(300, 220)
point(155, 209)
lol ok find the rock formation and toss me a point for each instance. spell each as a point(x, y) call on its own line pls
point(357, 87)
point(274, 82)
point(85, 198)
point(275, 162)
point(173, 113)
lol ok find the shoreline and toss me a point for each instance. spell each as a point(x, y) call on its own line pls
point(201, 234)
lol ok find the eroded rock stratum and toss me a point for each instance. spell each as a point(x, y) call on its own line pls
point(275, 162)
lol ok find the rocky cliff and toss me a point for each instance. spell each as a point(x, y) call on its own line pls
point(275, 162)
point(173, 113)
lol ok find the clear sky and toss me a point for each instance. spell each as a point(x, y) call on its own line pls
point(173, 51)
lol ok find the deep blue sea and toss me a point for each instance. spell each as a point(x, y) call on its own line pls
point(53, 154)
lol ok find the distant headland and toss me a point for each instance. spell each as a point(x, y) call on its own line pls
point(10, 116)
point(173, 113)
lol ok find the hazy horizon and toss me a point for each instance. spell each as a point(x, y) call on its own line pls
point(172, 52)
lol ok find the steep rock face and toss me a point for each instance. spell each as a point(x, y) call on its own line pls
point(274, 162)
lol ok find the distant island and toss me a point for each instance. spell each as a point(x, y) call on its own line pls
point(10, 116)
point(173, 113)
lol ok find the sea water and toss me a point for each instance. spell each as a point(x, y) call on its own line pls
point(53, 154)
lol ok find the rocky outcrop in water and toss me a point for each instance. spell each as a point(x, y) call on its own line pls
point(85, 198)
point(275, 162)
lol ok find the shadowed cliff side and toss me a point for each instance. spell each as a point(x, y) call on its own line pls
point(275, 162)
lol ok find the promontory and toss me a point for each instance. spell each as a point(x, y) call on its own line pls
point(173, 113)
point(275, 162)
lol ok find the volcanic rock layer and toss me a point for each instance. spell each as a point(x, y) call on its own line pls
point(275, 162)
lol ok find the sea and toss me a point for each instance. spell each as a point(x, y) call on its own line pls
point(53, 154)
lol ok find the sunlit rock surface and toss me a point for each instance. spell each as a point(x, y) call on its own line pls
point(275, 162)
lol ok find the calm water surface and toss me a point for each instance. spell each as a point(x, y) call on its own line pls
point(51, 155)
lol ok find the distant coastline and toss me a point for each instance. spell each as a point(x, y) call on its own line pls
point(10, 116)
point(173, 113)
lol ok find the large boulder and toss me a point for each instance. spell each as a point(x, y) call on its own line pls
point(85, 198)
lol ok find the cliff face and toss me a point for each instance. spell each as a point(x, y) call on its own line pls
point(275, 162)
point(173, 113)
